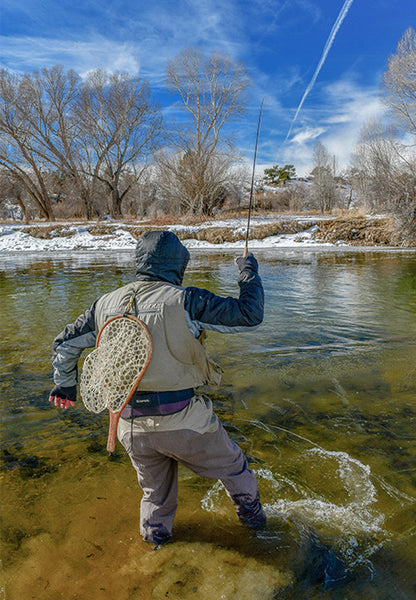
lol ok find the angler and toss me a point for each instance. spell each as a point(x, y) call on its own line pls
point(167, 421)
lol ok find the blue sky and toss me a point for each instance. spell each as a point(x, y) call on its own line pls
point(281, 41)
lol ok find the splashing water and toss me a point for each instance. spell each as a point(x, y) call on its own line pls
point(332, 500)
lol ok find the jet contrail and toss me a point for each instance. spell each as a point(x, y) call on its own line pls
point(343, 13)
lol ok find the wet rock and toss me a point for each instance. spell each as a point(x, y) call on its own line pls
point(28, 466)
point(85, 419)
point(223, 401)
point(41, 401)
point(97, 447)
point(320, 566)
point(13, 536)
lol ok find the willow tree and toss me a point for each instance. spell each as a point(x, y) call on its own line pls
point(213, 93)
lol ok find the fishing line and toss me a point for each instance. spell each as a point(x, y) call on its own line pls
point(269, 427)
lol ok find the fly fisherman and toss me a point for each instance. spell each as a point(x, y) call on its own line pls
point(166, 421)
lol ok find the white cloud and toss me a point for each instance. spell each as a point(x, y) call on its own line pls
point(308, 134)
point(350, 102)
point(344, 107)
point(82, 56)
point(140, 37)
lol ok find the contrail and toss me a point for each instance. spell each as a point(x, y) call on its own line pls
point(343, 13)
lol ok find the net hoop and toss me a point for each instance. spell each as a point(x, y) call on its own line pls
point(114, 369)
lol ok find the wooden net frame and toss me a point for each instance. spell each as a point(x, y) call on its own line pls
point(114, 369)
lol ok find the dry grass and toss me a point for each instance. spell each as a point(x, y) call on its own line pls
point(220, 235)
point(357, 231)
point(102, 229)
point(352, 228)
point(213, 235)
point(48, 232)
point(281, 227)
point(137, 232)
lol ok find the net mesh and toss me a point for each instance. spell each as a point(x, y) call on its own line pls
point(112, 370)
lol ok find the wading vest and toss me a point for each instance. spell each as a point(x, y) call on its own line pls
point(179, 360)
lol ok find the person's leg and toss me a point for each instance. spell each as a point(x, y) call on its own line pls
point(157, 475)
point(216, 456)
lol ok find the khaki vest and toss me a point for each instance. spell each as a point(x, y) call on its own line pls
point(179, 360)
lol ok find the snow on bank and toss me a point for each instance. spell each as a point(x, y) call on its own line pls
point(14, 238)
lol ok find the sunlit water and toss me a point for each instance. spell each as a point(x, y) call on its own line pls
point(321, 398)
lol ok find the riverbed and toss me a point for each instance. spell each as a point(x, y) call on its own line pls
point(321, 398)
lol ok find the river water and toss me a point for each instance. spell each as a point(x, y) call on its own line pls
point(321, 398)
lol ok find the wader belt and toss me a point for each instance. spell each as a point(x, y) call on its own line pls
point(146, 404)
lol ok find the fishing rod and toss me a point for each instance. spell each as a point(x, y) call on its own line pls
point(252, 181)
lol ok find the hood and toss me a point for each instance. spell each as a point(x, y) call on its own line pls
point(160, 256)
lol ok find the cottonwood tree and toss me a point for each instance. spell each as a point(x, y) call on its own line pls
point(376, 165)
point(213, 91)
point(21, 153)
point(55, 128)
point(78, 135)
point(121, 126)
point(12, 202)
point(42, 133)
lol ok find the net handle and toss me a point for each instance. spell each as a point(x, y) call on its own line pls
point(115, 415)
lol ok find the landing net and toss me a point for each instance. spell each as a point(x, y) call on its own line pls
point(112, 371)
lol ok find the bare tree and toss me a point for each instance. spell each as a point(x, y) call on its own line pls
point(12, 202)
point(141, 198)
point(386, 177)
point(20, 152)
point(399, 86)
point(190, 185)
point(399, 82)
point(42, 133)
point(323, 185)
point(121, 126)
point(376, 166)
point(213, 90)
point(55, 130)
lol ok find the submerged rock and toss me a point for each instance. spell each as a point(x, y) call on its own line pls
point(28, 466)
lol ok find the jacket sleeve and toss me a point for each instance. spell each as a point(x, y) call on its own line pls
point(227, 314)
point(68, 347)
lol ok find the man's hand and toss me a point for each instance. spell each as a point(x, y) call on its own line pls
point(247, 262)
point(63, 396)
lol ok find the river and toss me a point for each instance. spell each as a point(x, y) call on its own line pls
point(321, 398)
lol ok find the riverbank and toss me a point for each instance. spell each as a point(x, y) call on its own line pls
point(266, 231)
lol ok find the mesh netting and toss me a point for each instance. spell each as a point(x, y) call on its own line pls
point(112, 370)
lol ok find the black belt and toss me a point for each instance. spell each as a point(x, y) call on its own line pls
point(152, 399)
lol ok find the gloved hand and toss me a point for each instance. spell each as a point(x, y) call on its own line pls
point(247, 262)
point(63, 396)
